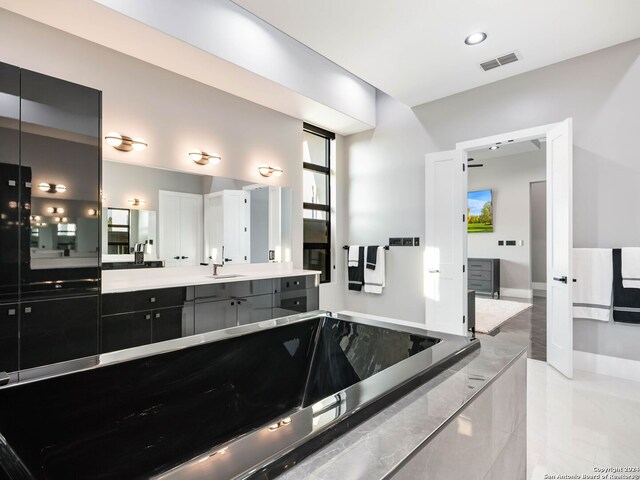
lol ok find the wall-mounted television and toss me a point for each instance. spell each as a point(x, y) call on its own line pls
point(479, 211)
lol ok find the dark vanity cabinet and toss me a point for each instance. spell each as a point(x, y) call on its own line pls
point(138, 318)
point(225, 305)
point(50, 163)
point(295, 295)
point(130, 319)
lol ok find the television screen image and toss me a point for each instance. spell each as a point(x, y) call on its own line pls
point(479, 211)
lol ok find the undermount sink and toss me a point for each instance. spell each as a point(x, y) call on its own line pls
point(231, 275)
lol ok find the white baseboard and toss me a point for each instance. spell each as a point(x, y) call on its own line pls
point(516, 292)
point(606, 365)
point(538, 285)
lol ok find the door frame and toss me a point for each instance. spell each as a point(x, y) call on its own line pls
point(517, 135)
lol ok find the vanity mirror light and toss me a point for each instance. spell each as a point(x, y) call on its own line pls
point(187, 218)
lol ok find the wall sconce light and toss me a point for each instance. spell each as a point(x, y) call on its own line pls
point(124, 143)
point(92, 212)
point(35, 218)
point(52, 188)
point(41, 224)
point(61, 219)
point(267, 171)
point(203, 158)
point(136, 202)
point(55, 210)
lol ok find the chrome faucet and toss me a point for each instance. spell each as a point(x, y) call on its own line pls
point(216, 265)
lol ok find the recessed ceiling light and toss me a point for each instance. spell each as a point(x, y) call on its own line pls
point(494, 147)
point(475, 38)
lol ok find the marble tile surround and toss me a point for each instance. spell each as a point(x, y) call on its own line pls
point(487, 440)
point(472, 443)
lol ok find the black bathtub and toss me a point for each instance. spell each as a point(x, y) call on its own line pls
point(245, 402)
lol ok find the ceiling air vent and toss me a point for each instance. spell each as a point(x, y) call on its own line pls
point(498, 62)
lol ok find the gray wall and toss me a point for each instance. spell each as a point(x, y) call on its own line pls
point(509, 178)
point(386, 169)
point(539, 232)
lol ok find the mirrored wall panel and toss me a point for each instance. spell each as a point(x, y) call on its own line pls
point(184, 219)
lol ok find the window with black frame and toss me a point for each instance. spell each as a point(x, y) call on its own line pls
point(317, 200)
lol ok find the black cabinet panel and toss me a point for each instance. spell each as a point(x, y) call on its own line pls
point(166, 324)
point(9, 181)
point(60, 150)
point(255, 309)
point(215, 315)
point(9, 337)
point(125, 330)
point(162, 298)
point(53, 331)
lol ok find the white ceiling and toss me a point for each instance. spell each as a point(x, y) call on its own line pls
point(414, 50)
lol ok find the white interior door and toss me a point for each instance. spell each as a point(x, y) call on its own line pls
point(559, 247)
point(169, 235)
point(181, 232)
point(236, 226)
point(190, 230)
point(445, 243)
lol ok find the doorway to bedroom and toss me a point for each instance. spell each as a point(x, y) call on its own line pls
point(507, 243)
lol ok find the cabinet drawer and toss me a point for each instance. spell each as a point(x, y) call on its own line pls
point(114, 303)
point(162, 298)
point(480, 285)
point(302, 282)
point(479, 275)
point(476, 264)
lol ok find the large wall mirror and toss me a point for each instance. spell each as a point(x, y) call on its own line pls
point(185, 219)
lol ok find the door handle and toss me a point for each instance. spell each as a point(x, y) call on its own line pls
point(562, 279)
point(176, 258)
point(184, 258)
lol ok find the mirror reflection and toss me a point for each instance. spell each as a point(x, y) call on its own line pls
point(186, 219)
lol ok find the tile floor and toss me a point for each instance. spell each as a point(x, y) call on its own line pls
point(576, 425)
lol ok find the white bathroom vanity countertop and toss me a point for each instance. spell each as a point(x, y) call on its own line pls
point(118, 281)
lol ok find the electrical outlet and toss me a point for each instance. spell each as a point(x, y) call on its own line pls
point(501, 243)
point(511, 243)
point(407, 242)
point(416, 241)
point(395, 242)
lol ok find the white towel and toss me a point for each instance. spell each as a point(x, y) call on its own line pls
point(374, 280)
point(631, 267)
point(354, 251)
point(593, 270)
